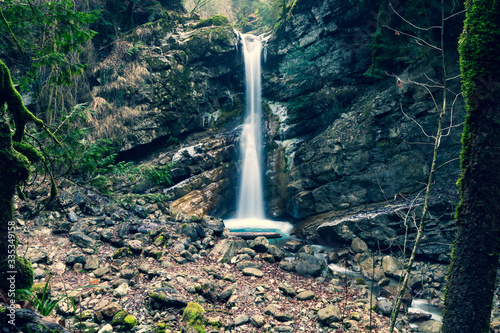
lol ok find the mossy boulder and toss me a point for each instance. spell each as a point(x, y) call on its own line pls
point(217, 20)
point(122, 252)
point(193, 317)
point(205, 43)
point(130, 321)
point(23, 278)
point(119, 318)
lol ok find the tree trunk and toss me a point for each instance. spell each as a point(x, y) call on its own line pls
point(473, 271)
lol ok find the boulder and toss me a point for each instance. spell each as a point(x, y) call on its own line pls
point(82, 240)
point(259, 244)
point(358, 245)
point(307, 265)
point(431, 326)
point(391, 266)
point(168, 297)
point(329, 314)
point(227, 248)
point(252, 272)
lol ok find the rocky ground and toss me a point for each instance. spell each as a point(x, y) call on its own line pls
point(131, 266)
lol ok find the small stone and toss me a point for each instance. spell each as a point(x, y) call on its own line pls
point(358, 245)
point(306, 295)
point(121, 291)
point(101, 271)
point(72, 217)
point(253, 272)
point(39, 273)
point(288, 266)
point(257, 320)
point(241, 319)
point(82, 240)
point(78, 267)
point(106, 329)
point(286, 289)
point(111, 309)
point(92, 263)
point(293, 245)
point(329, 314)
point(227, 292)
point(271, 309)
point(283, 316)
point(260, 244)
point(136, 246)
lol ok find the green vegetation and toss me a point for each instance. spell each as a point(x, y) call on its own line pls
point(43, 304)
point(193, 317)
point(217, 20)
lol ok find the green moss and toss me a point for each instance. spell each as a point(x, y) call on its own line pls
point(130, 321)
point(218, 20)
point(119, 318)
point(193, 317)
point(122, 252)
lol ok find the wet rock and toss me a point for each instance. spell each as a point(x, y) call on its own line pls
point(276, 252)
point(214, 224)
point(385, 306)
point(332, 257)
point(306, 249)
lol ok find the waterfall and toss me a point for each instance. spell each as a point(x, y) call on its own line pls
point(251, 201)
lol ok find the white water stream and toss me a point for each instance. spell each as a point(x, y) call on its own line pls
point(250, 214)
point(251, 202)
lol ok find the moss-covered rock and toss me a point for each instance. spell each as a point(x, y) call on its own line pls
point(119, 318)
point(130, 321)
point(122, 252)
point(210, 41)
point(193, 317)
point(217, 20)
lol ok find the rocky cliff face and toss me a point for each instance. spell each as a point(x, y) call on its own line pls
point(356, 147)
point(174, 87)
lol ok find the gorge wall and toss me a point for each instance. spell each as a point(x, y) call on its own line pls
point(356, 151)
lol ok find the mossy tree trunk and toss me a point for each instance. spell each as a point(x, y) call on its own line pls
point(473, 271)
point(15, 157)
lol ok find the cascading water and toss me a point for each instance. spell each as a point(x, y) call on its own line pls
point(251, 202)
point(250, 210)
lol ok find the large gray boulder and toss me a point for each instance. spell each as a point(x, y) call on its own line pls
point(307, 265)
point(227, 248)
